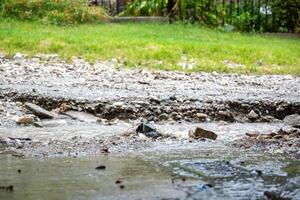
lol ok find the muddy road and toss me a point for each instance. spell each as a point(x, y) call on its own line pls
point(87, 115)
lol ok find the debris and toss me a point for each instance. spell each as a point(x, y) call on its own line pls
point(122, 186)
point(9, 188)
point(38, 111)
point(101, 167)
point(202, 133)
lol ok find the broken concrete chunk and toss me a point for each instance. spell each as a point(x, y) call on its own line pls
point(26, 119)
point(200, 133)
point(82, 116)
point(38, 111)
point(292, 120)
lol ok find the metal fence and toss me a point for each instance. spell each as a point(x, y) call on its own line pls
point(256, 14)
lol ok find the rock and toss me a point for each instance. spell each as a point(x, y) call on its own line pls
point(38, 111)
point(200, 133)
point(201, 116)
point(292, 120)
point(252, 115)
point(18, 56)
point(26, 119)
point(50, 123)
point(101, 167)
point(145, 128)
point(64, 107)
point(118, 104)
point(148, 129)
point(82, 116)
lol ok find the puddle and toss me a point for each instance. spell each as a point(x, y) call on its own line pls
point(162, 169)
point(76, 178)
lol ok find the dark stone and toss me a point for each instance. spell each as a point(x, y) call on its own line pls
point(38, 111)
point(118, 182)
point(101, 167)
point(148, 129)
point(145, 128)
point(122, 186)
point(19, 170)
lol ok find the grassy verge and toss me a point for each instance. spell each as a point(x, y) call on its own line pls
point(158, 46)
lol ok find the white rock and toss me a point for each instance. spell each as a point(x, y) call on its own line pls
point(18, 56)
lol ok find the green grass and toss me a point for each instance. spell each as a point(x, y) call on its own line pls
point(155, 46)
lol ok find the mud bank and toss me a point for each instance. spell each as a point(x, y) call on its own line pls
point(107, 89)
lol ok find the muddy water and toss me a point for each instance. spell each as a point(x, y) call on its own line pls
point(207, 176)
point(167, 169)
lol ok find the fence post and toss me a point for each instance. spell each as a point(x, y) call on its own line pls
point(273, 17)
point(224, 13)
point(187, 9)
point(258, 17)
point(230, 11)
point(238, 6)
point(117, 6)
point(266, 9)
point(195, 10)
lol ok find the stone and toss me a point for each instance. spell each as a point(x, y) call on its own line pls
point(118, 104)
point(82, 116)
point(148, 129)
point(38, 111)
point(145, 128)
point(201, 116)
point(18, 56)
point(252, 115)
point(26, 119)
point(201, 133)
point(292, 120)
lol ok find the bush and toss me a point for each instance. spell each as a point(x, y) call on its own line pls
point(58, 12)
point(287, 13)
